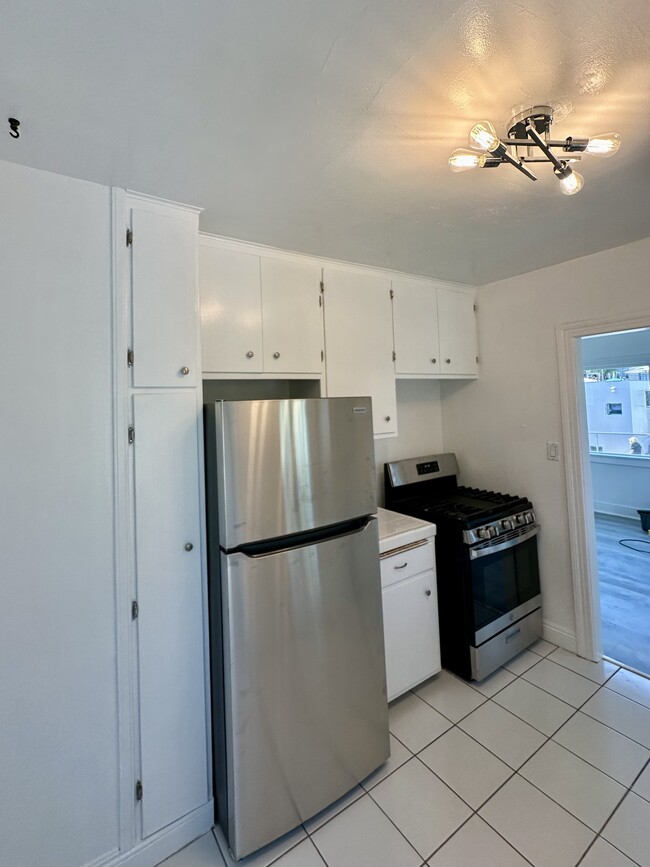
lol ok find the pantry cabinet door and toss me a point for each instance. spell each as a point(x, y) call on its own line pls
point(457, 330)
point(231, 310)
point(164, 299)
point(359, 342)
point(173, 738)
point(292, 314)
point(415, 323)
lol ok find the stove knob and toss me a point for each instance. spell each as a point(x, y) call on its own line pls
point(507, 524)
point(530, 517)
point(520, 519)
point(493, 531)
point(483, 533)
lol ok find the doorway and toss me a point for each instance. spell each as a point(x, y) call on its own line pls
point(611, 581)
point(616, 377)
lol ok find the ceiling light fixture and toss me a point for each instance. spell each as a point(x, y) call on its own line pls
point(530, 133)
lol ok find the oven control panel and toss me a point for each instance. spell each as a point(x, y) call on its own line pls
point(498, 528)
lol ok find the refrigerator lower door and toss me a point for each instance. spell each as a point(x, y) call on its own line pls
point(306, 716)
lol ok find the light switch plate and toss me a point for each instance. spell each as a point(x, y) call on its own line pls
point(552, 451)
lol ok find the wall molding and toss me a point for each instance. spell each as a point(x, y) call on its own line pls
point(617, 510)
point(168, 841)
point(555, 634)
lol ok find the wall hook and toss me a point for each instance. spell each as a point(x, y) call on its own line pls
point(14, 132)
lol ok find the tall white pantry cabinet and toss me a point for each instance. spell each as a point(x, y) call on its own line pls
point(104, 750)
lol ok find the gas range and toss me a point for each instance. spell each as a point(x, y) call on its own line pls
point(486, 556)
point(427, 488)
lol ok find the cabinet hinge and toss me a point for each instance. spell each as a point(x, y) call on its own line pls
point(129, 237)
point(320, 300)
point(131, 434)
point(138, 790)
point(477, 359)
point(474, 307)
point(392, 294)
point(129, 357)
point(394, 355)
point(135, 610)
point(322, 355)
point(322, 285)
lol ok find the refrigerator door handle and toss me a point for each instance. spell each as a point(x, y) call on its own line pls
point(301, 540)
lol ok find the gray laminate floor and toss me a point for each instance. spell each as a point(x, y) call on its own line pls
point(624, 590)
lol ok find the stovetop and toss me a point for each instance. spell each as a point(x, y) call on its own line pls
point(427, 488)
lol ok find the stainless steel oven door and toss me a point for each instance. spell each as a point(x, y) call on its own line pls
point(505, 581)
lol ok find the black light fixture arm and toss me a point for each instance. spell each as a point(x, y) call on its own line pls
point(539, 141)
point(504, 154)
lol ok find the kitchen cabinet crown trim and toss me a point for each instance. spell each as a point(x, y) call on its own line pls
point(264, 250)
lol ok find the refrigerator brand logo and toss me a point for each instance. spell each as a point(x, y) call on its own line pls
point(358, 409)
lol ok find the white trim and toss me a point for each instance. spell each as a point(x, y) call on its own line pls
point(559, 635)
point(253, 248)
point(618, 510)
point(124, 586)
point(588, 632)
point(165, 203)
point(165, 843)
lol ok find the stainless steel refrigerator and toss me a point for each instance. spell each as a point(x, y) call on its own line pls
point(297, 649)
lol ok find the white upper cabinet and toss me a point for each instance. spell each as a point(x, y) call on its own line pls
point(359, 341)
point(292, 320)
point(163, 268)
point(415, 322)
point(231, 310)
point(435, 329)
point(259, 314)
point(457, 332)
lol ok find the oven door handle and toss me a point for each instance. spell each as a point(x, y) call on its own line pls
point(475, 553)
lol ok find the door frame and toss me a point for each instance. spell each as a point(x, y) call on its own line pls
point(582, 533)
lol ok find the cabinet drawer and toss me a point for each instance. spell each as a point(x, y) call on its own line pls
point(406, 562)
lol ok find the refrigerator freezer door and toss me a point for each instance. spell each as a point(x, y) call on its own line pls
point(305, 683)
point(286, 466)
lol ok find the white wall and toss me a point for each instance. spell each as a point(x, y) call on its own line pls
point(620, 485)
point(499, 424)
point(58, 703)
point(419, 425)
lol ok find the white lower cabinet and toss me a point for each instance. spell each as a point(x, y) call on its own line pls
point(172, 700)
point(410, 601)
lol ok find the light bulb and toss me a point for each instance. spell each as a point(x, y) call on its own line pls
point(604, 145)
point(484, 136)
point(572, 183)
point(462, 159)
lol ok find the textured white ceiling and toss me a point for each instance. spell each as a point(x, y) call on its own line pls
point(325, 125)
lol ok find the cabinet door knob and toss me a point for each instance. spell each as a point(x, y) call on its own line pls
point(189, 546)
point(447, 360)
point(185, 370)
point(427, 593)
point(387, 418)
point(434, 360)
point(250, 353)
point(276, 355)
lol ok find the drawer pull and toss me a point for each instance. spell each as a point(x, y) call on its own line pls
point(403, 566)
point(513, 634)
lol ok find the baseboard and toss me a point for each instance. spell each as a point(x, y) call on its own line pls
point(555, 634)
point(150, 852)
point(618, 510)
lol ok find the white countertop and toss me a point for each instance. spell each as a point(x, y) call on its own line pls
point(396, 530)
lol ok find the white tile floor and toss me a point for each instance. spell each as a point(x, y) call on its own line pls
point(544, 763)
